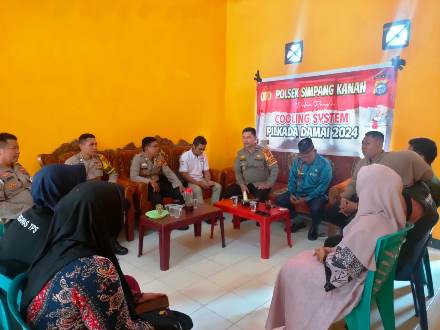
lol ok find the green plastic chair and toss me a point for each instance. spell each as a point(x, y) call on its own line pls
point(428, 274)
point(379, 284)
point(2, 229)
point(10, 300)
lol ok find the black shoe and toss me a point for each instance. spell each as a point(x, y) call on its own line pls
point(313, 234)
point(258, 224)
point(183, 228)
point(297, 226)
point(119, 249)
point(208, 222)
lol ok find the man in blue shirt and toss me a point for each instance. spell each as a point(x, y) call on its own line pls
point(309, 180)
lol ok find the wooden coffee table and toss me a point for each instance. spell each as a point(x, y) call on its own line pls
point(274, 214)
point(165, 225)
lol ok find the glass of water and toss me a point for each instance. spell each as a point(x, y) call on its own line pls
point(253, 205)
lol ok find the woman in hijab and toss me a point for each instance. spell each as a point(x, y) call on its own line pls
point(315, 289)
point(76, 281)
point(26, 236)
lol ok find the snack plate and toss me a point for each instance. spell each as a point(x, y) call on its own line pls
point(154, 214)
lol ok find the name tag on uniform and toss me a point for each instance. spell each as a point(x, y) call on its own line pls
point(12, 185)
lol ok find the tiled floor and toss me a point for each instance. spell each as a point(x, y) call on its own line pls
point(231, 288)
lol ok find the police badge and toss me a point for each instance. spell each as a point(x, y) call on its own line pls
point(380, 87)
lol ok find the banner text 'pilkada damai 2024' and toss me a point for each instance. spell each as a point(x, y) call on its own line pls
point(335, 109)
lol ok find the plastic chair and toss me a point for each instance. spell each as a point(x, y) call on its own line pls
point(6, 320)
point(2, 229)
point(417, 270)
point(10, 300)
point(379, 284)
point(428, 273)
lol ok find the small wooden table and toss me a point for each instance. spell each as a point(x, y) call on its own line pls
point(265, 221)
point(165, 225)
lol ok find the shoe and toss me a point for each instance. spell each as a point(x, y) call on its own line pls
point(258, 224)
point(208, 222)
point(313, 234)
point(183, 228)
point(297, 226)
point(119, 249)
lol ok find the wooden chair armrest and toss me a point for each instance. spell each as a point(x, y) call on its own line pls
point(46, 159)
point(228, 177)
point(216, 175)
point(140, 190)
point(142, 195)
point(334, 193)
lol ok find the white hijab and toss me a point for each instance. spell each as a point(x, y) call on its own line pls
point(380, 212)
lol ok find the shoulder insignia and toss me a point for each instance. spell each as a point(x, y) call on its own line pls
point(106, 166)
point(270, 159)
point(12, 185)
point(160, 161)
point(21, 169)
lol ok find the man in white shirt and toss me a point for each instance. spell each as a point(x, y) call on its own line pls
point(194, 169)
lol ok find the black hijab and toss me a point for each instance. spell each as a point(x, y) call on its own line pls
point(83, 224)
point(54, 181)
point(26, 235)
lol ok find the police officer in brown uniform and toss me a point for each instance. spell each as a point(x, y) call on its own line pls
point(151, 168)
point(96, 164)
point(256, 169)
point(15, 182)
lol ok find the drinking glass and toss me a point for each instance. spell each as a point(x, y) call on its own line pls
point(178, 211)
point(253, 206)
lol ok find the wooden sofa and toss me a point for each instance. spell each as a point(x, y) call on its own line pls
point(171, 153)
point(342, 169)
point(66, 150)
point(135, 192)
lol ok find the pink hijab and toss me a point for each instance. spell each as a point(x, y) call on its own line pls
point(380, 212)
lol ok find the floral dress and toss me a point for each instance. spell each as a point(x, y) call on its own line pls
point(84, 294)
